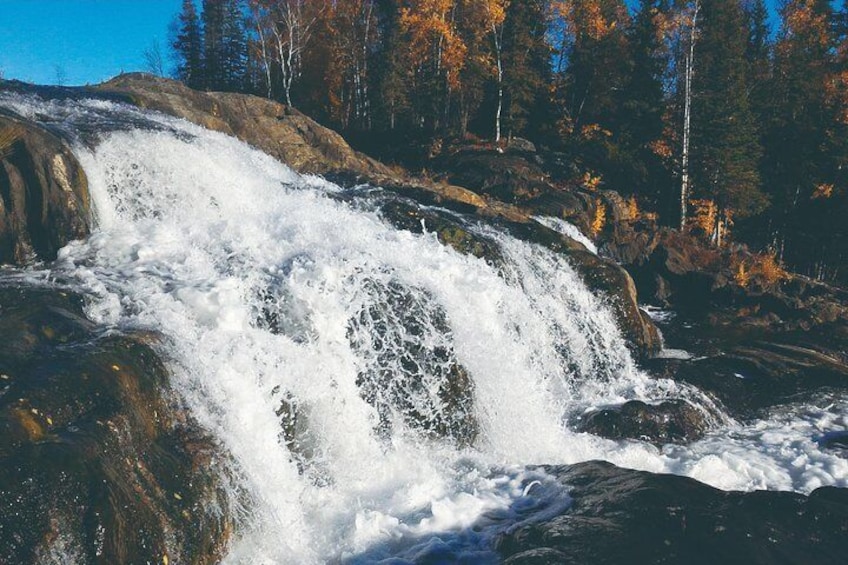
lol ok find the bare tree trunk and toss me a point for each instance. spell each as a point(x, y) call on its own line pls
point(687, 118)
point(497, 39)
point(266, 63)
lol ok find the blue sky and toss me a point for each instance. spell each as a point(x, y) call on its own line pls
point(88, 40)
point(83, 41)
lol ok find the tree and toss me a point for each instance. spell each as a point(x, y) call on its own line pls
point(494, 12)
point(806, 139)
point(688, 73)
point(187, 45)
point(353, 33)
point(293, 24)
point(392, 68)
point(641, 132)
point(526, 63)
point(437, 53)
point(213, 44)
point(260, 22)
point(725, 146)
point(595, 55)
point(758, 57)
point(153, 60)
point(61, 75)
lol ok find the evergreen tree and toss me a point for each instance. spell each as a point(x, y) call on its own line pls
point(187, 44)
point(598, 63)
point(392, 71)
point(233, 47)
point(213, 44)
point(640, 131)
point(526, 66)
point(725, 146)
point(758, 57)
point(798, 129)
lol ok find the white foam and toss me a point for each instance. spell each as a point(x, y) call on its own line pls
point(567, 229)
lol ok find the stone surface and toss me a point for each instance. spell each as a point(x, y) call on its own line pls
point(622, 516)
point(98, 461)
point(44, 200)
point(671, 421)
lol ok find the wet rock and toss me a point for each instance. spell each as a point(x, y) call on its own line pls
point(412, 374)
point(623, 516)
point(408, 216)
point(98, 462)
point(671, 421)
point(750, 377)
point(278, 130)
point(603, 276)
point(44, 200)
point(835, 441)
point(521, 145)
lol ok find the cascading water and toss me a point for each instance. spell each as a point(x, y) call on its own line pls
point(372, 387)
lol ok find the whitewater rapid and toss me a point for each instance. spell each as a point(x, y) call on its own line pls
point(269, 290)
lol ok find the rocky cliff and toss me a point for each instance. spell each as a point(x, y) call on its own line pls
point(43, 193)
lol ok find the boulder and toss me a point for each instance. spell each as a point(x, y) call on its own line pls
point(622, 516)
point(419, 381)
point(44, 201)
point(604, 276)
point(754, 375)
point(98, 461)
point(278, 130)
point(670, 421)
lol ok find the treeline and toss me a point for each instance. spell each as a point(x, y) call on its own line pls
point(696, 107)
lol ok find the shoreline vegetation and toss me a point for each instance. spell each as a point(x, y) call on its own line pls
point(708, 118)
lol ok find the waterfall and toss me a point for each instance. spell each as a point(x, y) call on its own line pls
point(370, 385)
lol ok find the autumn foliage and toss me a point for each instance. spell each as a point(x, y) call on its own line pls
point(599, 84)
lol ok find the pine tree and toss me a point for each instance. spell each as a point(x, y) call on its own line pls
point(233, 47)
point(213, 44)
point(392, 71)
point(798, 130)
point(725, 146)
point(598, 59)
point(806, 142)
point(526, 65)
point(640, 132)
point(187, 44)
point(758, 57)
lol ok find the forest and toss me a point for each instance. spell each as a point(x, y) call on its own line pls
point(709, 115)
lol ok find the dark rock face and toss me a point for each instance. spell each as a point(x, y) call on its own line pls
point(750, 377)
point(406, 215)
point(671, 421)
point(96, 462)
point(622, 516)
point(508, 177)
point(43, 193)
point(413, 374)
